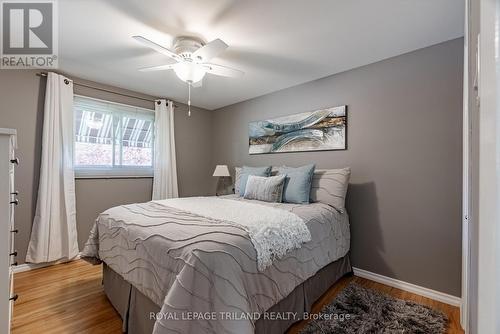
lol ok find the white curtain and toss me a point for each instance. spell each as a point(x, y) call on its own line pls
point(53, 235)
point(165, 167)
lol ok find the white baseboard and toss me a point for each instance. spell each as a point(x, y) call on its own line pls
point(31, 266)
point(419, 290)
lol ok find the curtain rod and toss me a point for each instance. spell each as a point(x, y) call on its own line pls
point(44, 74)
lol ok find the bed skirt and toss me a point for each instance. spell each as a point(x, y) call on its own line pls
point(134, 308)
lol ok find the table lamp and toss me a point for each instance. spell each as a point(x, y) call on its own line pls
point(224, 181)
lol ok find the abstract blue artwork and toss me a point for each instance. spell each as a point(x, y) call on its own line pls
point(319, 130)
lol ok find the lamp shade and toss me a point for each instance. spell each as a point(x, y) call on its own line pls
point(221, 170)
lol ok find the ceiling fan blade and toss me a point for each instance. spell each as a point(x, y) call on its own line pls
point(223, 70)
point(209, 50)
point(158, 68)
point(157, 47)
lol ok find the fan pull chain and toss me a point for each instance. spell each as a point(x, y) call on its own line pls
point(189, 98)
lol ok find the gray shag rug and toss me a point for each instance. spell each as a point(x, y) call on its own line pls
point(360, 310)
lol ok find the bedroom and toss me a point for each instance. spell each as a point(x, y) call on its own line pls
point(214, 166)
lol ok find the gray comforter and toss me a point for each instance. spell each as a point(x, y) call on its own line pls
point(203, 273)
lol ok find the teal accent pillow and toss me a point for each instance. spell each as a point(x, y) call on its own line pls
point(298, 183)
point(247, 171)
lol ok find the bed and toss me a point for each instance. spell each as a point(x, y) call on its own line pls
point(170, 267)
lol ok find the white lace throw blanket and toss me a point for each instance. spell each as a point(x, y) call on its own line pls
point(273, 232)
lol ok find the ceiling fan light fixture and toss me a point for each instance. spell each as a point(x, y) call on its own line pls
point(191, 57)
point(189, 72)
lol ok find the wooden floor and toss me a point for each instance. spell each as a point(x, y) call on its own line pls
point(68, 298)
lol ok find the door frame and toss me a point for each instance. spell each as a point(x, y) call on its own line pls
point(488, 295)
point(466, 180)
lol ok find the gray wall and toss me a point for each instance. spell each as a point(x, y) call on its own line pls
point(404, 137)
point(21, 107)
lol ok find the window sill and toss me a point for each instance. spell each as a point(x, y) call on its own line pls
point(127, 173)
point(110, 177)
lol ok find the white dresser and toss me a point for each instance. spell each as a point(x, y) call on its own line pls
point(8, 202)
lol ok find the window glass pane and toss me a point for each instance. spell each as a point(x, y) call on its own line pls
point(112, 135)
point(93, 138)
point(136, 141)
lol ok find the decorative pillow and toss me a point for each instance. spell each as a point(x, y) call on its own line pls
point(268, 189)
point(298, 181)
point(237, 179)
point(329, 186)
point(247, 171)
point(237, 176)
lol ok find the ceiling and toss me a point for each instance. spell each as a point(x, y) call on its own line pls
point(278, 43)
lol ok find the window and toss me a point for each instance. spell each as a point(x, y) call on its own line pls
point(112, 139)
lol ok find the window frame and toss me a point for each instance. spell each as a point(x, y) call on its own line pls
point(97, 172)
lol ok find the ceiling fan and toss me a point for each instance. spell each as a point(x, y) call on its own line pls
point(191, 56)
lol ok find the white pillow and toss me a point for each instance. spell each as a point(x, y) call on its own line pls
point(267, 189)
